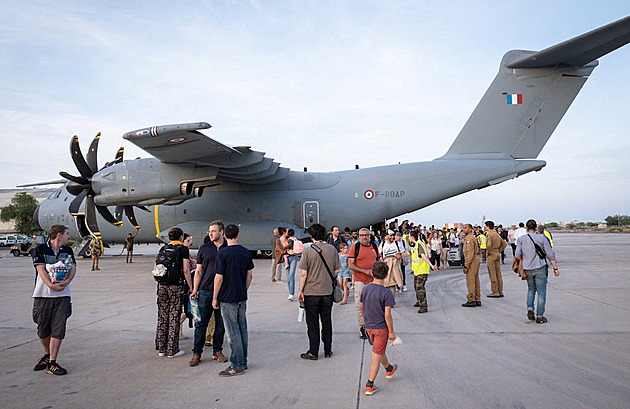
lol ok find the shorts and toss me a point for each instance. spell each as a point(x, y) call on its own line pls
point(378, 339)
point(50, 315)
point(345, 274)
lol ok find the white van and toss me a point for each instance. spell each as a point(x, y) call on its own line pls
point(8, 240)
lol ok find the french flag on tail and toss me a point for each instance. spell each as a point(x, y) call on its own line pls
point(514, 99)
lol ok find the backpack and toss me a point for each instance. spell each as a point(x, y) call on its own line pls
point(165, 270)
point(358, 245)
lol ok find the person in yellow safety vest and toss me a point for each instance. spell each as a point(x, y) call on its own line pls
point(421, 266)
point(481, 239)
point(548, 235)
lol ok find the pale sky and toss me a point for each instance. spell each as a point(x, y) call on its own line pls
point(322, 84)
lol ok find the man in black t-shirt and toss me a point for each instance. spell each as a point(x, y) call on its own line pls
point(55, 267)
point(232, 280)
point(203, 291)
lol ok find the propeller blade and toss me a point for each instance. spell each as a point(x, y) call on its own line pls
point(75, 189)
point(92, 154)
point(119, 155)
point(76, 179)
point(76, 203)
point(118, 213)
point(90, 216)
point(132, 217)
point(77, 158)
point(104, 211)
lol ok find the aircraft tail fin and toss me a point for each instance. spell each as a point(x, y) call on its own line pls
point(531, 93)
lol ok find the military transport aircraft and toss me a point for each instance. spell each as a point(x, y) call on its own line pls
point(193, 179)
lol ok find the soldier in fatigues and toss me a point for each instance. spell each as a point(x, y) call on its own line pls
point(494, 246)
point(471, 267)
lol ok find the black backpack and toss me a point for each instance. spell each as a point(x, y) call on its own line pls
point(358, 245)
point(165, 270)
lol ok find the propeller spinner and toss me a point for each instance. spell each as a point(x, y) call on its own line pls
point(81, 187)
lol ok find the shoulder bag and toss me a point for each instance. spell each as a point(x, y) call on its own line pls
point(337, 293)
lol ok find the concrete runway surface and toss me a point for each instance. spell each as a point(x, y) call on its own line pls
point(451, 357)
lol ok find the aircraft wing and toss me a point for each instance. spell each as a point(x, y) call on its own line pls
point(579, 50)
point(184, 144)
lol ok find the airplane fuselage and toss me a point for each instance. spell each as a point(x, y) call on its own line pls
point(353, 199)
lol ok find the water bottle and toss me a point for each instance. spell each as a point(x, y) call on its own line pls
point(194, 309)
point(301, 312)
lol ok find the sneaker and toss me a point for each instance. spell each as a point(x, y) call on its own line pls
point(308, 355)
point(290, 298)
point(43, 363)
point(370, 390)
point(417, 304)
point(176, 354)
point(404, 288)
point(279, 281)
point(55, 369)
point(207, 344)
point(469, 304)
point(161, 354)
point(530, 315)
point(389, 374)
point(328, 354)
point(218, 356)
point(541, 320)
point(196, 358)
point(478, 303)
point(231, 371)
point(362, 333)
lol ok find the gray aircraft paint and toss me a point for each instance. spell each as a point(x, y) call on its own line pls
point(195, 179)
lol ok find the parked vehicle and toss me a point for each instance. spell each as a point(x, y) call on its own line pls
point(27, 247)
point(24, 249)
point(8, 240)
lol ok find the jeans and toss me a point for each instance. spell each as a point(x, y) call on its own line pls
point(291, 274)
point(318, 307)
point(537, 283)
point(235, 323)
point(204, 299)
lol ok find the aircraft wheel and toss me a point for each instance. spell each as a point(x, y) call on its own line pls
point(267, 253)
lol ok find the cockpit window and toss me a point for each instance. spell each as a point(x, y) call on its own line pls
point(55, 194)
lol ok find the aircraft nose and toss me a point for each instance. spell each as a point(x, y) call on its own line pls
point(36, 217)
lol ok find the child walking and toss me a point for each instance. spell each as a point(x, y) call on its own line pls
point(376, 304)
point(344, 274)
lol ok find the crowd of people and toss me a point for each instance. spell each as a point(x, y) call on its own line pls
point(370, 265)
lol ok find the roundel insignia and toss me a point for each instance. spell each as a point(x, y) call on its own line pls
point(368, 194)
point(177, 140)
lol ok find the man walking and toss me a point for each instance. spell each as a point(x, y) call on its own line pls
point(56, 267)
point(335, 238)
point(361, 257)
point(494, 246)
point(232, 280)
point(529, 249)
point(316, 287)
point(203, 290)
point(471, 267)
point(274, 263)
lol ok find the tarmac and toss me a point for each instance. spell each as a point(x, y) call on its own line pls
point(451, 357)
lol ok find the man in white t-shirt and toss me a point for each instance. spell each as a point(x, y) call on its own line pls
point(392, 255)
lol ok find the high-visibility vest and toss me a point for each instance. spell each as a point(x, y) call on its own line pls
point(548, 235)
point(418, 265)
point(481, 239)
